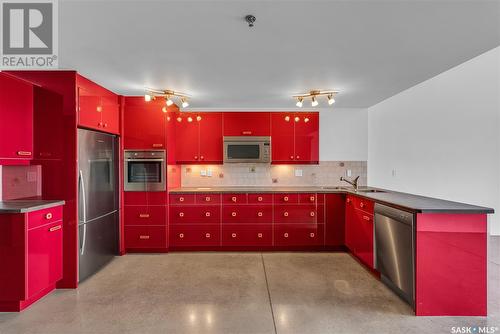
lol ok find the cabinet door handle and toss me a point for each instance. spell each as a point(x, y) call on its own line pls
point(298, 157)
point(285, 235)
point(144, 237)
point(55, 228)
point(259, 198)
point(24, 153)
point(311, 198)
point(233, 235)
point(246, 132)
point(366, 218)
point(285, 199)
point(233, 214)
point(202, 157)
point(181, 199)
point(195, 157)
point(312, 214)
point(348, 200)
point(181, 235)
point(291, 157)
point(311, 234)
point(259, 214)
point(285, 214)
point(207, 214)
point(207, 235)
point(259, 235)
point(181, 214)
point(233, 198)
point(144, 215)
point(105, 125)
point(361, 204)
point(48, 215)
point(207, 199)
point(157, 145)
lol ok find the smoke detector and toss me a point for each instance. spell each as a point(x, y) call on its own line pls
point(250, 20)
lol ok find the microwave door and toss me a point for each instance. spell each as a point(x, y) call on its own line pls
point(243, 152)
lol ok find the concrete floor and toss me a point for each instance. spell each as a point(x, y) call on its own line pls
point(237, 293)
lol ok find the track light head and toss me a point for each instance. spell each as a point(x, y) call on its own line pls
point(299, 102)
point(148, 97)
point(168, 101)
point(314, 102)
point(331, 100)
point(185, 103)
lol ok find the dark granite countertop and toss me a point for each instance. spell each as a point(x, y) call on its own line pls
point(415, 203)
point(24, 205)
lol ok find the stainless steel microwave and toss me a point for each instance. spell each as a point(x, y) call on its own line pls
point(144, 170)
point(247, 149)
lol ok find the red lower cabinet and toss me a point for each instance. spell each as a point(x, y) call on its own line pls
point(247, 235)
point(364, 238)
point(288, 214)
point(203, 214)
point(298, 235)
point(145, 237)
point(31, 251)
point(247, 214)
point(194, 236)
point(145, 215)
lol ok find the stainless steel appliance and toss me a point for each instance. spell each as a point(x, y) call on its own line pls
point(247, 149)
point(144, 170)
point(97, 201)
point(395, 250)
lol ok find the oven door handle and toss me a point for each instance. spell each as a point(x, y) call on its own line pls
point(145, 160)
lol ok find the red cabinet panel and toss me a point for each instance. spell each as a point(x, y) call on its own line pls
point(363, 204)
point(208, 199)
point(286, 198)
point(48, 125)
point(307, 137)
point(298, 214)
point(247, 214)
point(145, 197)
point(194, 235)
point(335, 220)
point(182, 199)
point(89, 108)
point(145, 215)
point(307, 198)
point(45, 216)
point(363, 244)
point(260, 198)
point(16, 119)
point(111, 115)
point(187, 139)
point(234, 198)
point(194, 214)
point(143, 237)
point(247, 235)
point(350, 223)
point(298, 235)
point(144, 124)
point(282, 137)
point(247, 124)
point(44, 257)
point(211, 138)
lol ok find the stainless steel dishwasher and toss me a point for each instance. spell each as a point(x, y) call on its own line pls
point(395, 250)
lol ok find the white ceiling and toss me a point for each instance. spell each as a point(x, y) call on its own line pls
point(369, 50)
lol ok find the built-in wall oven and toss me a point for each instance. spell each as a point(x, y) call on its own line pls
point(247, 149)
point(144, 170)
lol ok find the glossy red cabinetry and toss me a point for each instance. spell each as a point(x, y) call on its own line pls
point(98, 108)
point(199, 138)
point(295, 138)
point(31, 249)
point(335, 220)
point(16, 120)
point(359, 228)
point(247, 124)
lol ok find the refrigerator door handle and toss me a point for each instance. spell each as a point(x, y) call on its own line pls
point(84, 202)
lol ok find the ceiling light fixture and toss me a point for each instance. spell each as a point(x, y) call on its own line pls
point(313, 95)
point(168, 95)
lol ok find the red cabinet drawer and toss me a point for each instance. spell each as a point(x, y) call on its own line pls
point(247, 235)
point(286, 198)
point(182, 199)
point(362, 204)
point(307, 198)
point(260, 198)
point(145, 198)
point(207, 198)
point(145, 215)
point(194, 235)
point(363, 240)
point(247, 214)
point(45, 216)
point(286, 214)
point(209, 214)
point(145, 237)
point(298, 235)
point(247, 124)
point(234, 198)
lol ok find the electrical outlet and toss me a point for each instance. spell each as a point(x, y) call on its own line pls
point(203, 172)
point(209, 172)
point(298, 172)
point(348, 173)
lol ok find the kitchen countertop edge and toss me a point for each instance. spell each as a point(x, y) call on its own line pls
point(25, 206)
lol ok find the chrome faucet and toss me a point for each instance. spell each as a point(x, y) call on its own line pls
point(354, 182)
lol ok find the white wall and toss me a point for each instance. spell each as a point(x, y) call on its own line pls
point(343, 134)
point(442, 137)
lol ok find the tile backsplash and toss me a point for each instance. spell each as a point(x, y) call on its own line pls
point(327, 173)
point(20, 182)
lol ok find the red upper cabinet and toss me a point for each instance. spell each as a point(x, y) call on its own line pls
point(98, 108)
point(295, 137)
point(199, 138)
point(145, 123)
point(282, 137)
point(307, 137)
point(247, 124)
point(16, 120)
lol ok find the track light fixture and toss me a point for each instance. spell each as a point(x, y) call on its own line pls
point(313, 94)
point(168, 95)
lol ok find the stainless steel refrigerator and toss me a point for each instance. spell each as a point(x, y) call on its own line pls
point(97, 201)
